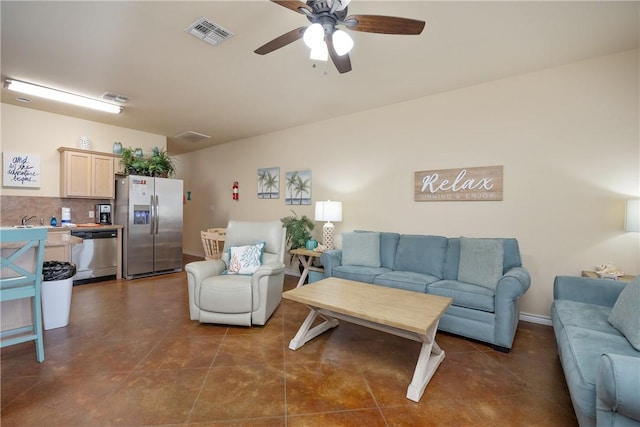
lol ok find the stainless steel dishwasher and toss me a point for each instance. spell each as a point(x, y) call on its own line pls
point(96, 257)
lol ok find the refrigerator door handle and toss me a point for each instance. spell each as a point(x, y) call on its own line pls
point(157, 221)
point(153, 215)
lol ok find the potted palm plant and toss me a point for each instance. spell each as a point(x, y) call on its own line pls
point(128, 157)
point(160, 164)
point(298, 230)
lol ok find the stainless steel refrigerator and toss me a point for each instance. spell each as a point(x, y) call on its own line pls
point(150, 210)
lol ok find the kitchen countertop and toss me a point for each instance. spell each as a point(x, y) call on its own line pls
point(86, 227)
point(53, 239)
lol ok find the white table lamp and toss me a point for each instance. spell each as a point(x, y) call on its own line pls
point(328, 211)
point(631, 218)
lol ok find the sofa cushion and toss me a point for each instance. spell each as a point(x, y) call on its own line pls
point(361, 249)
point(421, 254)
point(573, 313)
point(625, 314)
point(511, 256)
point(481, 261)
point(358, 273)
point(465, 294)
point(388, 247)
point(580, 350)
point(408, 280)
point(226, 294)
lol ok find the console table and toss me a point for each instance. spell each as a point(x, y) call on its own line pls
point(593, 275)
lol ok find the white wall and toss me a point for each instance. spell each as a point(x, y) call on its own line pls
point(568, 138)
point(29, 131)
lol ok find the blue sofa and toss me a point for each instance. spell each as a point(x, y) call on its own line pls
point(430, 264)
point(601, 367)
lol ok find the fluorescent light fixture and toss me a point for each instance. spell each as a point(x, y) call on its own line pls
point(56, 95)
point(632, 216)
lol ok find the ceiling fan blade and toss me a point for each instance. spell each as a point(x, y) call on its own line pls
point(294, 5)
point(384, 24)
point(342, 63)
point(281, 41)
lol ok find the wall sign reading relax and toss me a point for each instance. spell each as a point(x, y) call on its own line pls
point(464, 184)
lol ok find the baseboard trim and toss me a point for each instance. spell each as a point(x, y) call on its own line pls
point(291, 272)
point(535, 318)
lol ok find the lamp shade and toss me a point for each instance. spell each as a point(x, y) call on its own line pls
point(328, 211)
point(632, 216)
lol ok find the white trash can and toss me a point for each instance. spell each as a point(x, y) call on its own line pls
point(56, 294)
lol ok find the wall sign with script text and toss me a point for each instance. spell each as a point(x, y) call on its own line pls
point(459, 185)
point(20, 170)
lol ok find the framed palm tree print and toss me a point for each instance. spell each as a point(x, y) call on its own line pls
point(269, 183)
point(298, 188)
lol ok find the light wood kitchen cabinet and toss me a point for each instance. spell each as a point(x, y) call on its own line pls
point(118, 167)
point(87, 173)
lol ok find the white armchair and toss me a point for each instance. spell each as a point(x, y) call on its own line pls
point(236, 299)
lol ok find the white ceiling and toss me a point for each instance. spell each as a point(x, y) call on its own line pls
point(178, 83)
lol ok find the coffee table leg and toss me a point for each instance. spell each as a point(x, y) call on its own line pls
point(306, 333)
point(431, 355)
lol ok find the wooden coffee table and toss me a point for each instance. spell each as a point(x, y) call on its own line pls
point(407, 314)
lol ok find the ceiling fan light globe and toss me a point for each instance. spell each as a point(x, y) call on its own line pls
point(320, 52)
point(313, 35)
point(342, 42)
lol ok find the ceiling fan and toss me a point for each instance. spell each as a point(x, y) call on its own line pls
point(323, 36)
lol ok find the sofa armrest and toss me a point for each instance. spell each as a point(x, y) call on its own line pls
point(269, 269)
point(197, 271)
point(330, 259)
point(513, 284)
point(587, 290)
point(618, 387)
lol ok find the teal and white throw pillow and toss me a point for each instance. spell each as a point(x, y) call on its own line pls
point(625, 314)
point(245, 259)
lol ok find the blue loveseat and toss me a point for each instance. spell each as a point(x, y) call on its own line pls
point(486, 312)
point(601, 367)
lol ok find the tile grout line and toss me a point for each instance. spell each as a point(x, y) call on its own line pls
point(206, 377)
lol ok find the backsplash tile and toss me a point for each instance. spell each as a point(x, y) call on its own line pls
point(13, 208)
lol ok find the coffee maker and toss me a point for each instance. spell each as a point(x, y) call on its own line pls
point(103, 213)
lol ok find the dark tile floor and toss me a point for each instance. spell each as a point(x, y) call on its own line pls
point(131, 357)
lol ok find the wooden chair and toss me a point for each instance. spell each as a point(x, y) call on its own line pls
point(213, 242)
point(20, 278)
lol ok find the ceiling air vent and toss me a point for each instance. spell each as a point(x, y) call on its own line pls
point(191, 136)
point(112, 96)
point(208, 31)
